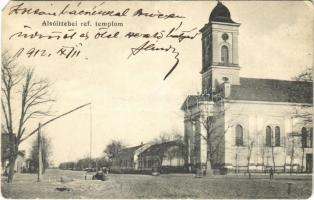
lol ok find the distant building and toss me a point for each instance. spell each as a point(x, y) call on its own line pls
point(20, 163)
point(30, 166)
point(235, 118)
point(162, 157)
point(127, 159)
point(147, 157)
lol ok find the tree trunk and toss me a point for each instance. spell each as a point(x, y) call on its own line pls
point(11, 168)
point(302, 160)
point(209, 171)
point(273, 158)
point(40, 158)
point(248, 167)
point(291, 162)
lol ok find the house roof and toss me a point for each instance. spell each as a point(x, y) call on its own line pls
point(272, 90)
point(130, 150)
point(158, 149)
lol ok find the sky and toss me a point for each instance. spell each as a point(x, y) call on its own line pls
point(130, 100)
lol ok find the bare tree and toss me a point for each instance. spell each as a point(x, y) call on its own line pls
point(306, 75)
point(262, 150)
point(18, 84)
point(46, 152)
point(305, 112)
point(214, 130)
point(291, 143)
point(113, 148)
point(273, 156)
point(250, 146)
point(237, 158)
point(168, 136)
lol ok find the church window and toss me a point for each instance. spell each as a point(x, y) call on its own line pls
point(224, 54)
point(239, 135)
point(268, 136)
point(303, 137)
point(277, 136)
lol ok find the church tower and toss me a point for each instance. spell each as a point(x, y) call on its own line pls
point(219, 50)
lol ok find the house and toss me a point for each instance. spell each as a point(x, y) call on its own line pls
point(166, 156)
point(30, 166)
point(127, 158)
point(242, 123)
point(20, 163)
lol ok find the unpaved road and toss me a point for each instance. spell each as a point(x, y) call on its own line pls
point(164, 186)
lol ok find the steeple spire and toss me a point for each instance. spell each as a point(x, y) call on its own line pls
point(220, 50)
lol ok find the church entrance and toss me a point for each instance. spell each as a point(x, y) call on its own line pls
point(309, 163)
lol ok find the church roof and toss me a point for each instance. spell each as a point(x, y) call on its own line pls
point(272, 90)
point(268, 90)
point(220, 14)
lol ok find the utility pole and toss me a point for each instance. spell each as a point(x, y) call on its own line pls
point(40, 161)
point(91, 137)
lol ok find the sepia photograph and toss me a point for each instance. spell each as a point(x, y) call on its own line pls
point(157, 99)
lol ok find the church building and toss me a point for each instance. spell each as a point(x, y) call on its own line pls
point(238, 124)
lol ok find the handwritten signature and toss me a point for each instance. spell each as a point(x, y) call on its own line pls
point(149, 46)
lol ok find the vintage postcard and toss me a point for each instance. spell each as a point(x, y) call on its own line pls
point(157, 99)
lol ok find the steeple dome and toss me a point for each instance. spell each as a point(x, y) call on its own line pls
point(220, 14)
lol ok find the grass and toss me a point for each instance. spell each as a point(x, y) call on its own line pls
point(164, 186)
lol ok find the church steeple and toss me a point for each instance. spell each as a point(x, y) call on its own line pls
point(220, 49)
point(220, 14)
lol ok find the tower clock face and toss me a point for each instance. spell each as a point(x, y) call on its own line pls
point(225, 36)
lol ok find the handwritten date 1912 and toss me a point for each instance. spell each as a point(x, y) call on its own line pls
point(32, 52)
point(66, 52)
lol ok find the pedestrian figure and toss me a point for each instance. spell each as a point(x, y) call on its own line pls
point(271, 173)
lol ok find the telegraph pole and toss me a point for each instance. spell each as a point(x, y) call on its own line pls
point(91, 135)
point(38, 130)
point(40, 161)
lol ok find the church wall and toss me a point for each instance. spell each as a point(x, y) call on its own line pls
point(254, 117)
point(231, 73)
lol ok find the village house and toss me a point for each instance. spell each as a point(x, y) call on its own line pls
point(240, 123)
point(148, 157)
point(163, 157)
point(127, 158)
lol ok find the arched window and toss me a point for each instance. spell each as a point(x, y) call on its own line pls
point(239, 135)
point(224, 54)
point(268, 136)
point(277, 136)
point(303, 137)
